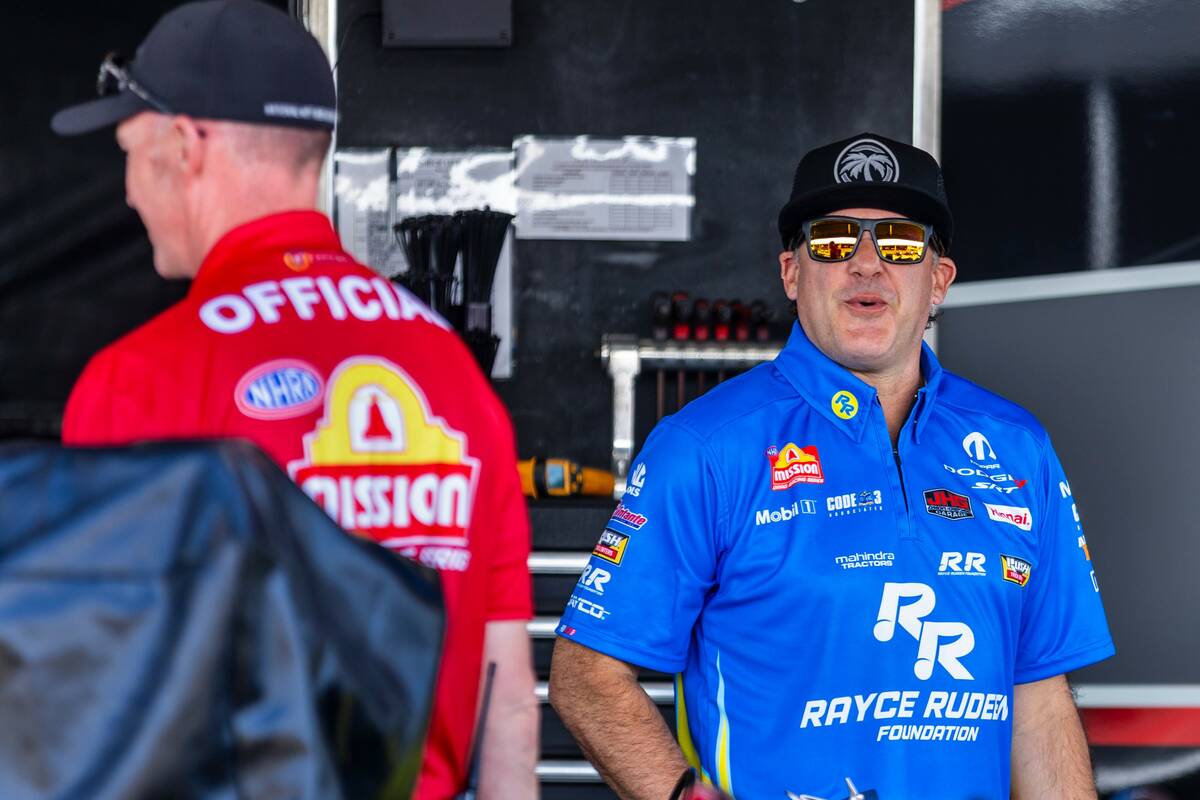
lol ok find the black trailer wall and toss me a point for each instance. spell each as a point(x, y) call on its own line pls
point(756, 83)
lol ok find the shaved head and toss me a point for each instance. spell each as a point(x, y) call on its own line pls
point(297, 149)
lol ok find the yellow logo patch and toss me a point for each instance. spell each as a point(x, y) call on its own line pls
point(382, 465)
point(844, 404)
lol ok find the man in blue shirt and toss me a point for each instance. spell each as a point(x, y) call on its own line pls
point(859, 565)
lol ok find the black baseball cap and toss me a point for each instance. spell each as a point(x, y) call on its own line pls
point(868, 171)
point(238, 60)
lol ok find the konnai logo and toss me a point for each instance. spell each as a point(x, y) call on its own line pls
point(792, 465)
point(381, 464)
point(1012, 515)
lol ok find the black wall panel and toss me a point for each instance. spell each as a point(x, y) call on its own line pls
point(756, 83)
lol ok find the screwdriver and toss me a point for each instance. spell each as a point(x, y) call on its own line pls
point(760, 318)
point(701, 325)
point(660, 309)
point(722, 316)
point(681, 313)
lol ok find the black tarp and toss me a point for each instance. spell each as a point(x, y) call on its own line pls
point(179, 620)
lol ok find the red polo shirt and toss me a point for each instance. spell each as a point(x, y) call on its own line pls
point(372, 405)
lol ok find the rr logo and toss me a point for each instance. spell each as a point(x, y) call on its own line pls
point(594, 578)
point(929, 635)
point(844, 404)
point(955, 563)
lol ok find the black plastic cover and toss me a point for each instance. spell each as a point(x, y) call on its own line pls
point(179, 620)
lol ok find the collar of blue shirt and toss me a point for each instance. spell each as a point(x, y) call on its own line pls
point(843, 398)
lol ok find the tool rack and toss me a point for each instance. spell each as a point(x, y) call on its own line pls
point(626, 356)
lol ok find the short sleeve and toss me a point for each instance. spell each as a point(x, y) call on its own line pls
point(1063, 626)
point(509, 592)
point(654, 564)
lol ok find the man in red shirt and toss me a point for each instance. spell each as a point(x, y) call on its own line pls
point(367, 399)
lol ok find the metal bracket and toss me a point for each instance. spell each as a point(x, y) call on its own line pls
point(626, 355)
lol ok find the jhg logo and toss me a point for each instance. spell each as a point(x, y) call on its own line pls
point(594, 578)
point(977, 447)
point(932, 644)
point(962, 564)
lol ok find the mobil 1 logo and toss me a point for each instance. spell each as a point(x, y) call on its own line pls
point(768, 516)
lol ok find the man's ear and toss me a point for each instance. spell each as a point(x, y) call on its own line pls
point(944, 272)
point(189, 144)
point(788, 272)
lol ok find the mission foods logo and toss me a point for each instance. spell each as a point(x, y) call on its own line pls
point(793, 465)
point(611, 546)
point(947, 504)
point(382, 465)
point(1015, 570)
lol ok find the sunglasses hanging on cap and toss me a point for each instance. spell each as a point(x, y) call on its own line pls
point(897, 241)
point(114, 78)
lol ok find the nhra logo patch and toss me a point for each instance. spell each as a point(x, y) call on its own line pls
point(947, 504)
point(279, 389)
point(611, 546)
point(382, 465)
point(1015, 570)
point(793, 465)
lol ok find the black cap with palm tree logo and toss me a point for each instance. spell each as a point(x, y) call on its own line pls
point(868, 171)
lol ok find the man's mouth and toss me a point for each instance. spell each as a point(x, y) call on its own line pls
point(866, 303)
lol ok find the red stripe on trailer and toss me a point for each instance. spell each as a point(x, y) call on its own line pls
point(1142, 727)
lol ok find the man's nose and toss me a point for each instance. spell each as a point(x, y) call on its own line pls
point(865, 260)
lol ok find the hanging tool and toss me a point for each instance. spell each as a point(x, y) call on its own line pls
point(741, 321)
point(681, 316)
point(760, 319)
point(722, 317)
point(561, 477)
point(701, 328)
point(660, 309)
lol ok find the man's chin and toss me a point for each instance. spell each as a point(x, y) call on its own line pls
point(866, 354)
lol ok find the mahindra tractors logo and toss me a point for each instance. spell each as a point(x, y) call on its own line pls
point(978, 448)
point(907, 605)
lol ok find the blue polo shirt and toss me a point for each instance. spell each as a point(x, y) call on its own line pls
point(833, 607)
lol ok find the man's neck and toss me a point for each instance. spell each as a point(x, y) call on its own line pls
point(241, 204)
point(897, 391)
